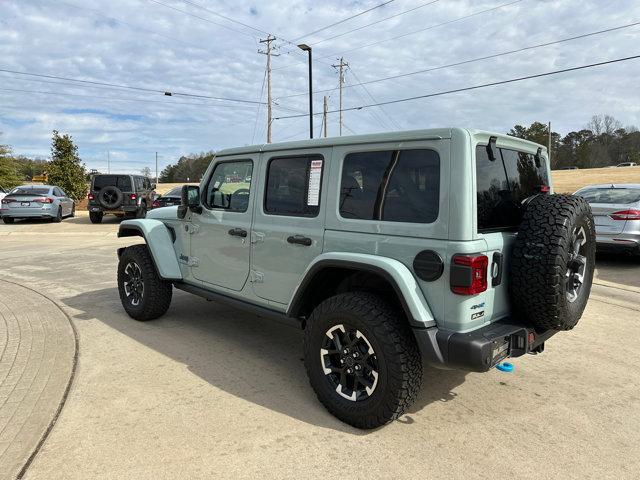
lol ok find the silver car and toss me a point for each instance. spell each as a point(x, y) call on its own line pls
point(616, 211)
point(36, 201)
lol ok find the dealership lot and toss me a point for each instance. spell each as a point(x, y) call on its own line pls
point(208, 392)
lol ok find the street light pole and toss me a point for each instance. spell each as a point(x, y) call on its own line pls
point(307, 49)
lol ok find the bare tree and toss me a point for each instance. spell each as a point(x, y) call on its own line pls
point(146, 171)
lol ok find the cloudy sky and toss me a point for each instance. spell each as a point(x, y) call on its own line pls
point(209, 48)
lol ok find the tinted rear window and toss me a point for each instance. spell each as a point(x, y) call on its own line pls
point(610, 195)
point(391, 185)
point(30, 191)
point(503, 184)
point(123, 182)
point(174, 192)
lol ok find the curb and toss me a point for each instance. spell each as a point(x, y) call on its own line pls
point(63, 400)
point(619, 286)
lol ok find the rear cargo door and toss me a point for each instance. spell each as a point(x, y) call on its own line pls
point(502, 185)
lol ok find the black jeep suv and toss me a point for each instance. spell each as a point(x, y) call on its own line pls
point(122, 195)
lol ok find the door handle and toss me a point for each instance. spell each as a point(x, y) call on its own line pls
point(300, 240)
point(238, 232)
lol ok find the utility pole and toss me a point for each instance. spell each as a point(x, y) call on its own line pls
point(324, 115)
point(108, 161)
point(156, 167)
point(341, 66)
point(270, 38)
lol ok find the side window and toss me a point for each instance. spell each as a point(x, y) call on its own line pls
point(293, 186)
point(391, 185)
point(229, 186)
point(56, 192)
point(139, 183)
point(61, 193)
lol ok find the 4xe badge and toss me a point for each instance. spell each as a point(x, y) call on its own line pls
point(479, 305)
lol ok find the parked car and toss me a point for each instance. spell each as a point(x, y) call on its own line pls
point(121, 195)
point(36, 201)
point(3, 192)
point(441, 246)
point(616, 212)
point(569, 168)
point(627, 164)
point(169, 199)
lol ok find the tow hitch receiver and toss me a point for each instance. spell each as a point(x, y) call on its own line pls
point(484, 348)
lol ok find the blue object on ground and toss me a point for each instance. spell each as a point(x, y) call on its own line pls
point(505, 367)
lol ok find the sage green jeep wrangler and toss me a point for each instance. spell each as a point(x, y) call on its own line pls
point(444, 247)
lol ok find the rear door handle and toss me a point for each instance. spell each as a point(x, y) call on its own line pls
point(300, 240)
point(238, 232)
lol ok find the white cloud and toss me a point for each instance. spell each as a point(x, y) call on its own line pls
point(145, 44)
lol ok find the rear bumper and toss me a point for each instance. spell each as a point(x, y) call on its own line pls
point(482, 349)
point(623, 242)
point(28, 212)
point(120, 210)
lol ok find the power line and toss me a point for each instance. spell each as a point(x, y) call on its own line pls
point(255, 125)
point(137, 27)
point(126, 99)
point(129, 87)
point(375, 23)
point(385, 113)
point(338, 54)
point(201, 18)
point(475, 87)
point(201, 7)
point(343, 20)
point(472, 60)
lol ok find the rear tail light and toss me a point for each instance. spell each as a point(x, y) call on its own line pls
point(7, 200)
point(90, 196)
point(626, 215)
point(469, 274)
point(133, 196)
point(545, 188)
point(156, 204)
point(41, 200)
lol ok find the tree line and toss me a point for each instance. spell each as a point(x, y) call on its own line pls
point(603, 142)
point(65, 168)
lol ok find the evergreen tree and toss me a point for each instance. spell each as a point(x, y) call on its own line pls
point(66, 170)
point(9, 177)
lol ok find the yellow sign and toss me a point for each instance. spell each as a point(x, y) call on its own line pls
point(40, 178)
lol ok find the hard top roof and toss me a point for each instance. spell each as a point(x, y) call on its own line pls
point(406, 135)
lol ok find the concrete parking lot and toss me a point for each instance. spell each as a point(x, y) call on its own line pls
point(207, 392)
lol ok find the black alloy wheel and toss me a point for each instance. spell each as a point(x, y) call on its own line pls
point(133, 283)
point(576, 264)
point(349, 362)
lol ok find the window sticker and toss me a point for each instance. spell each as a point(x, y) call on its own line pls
point(315, 175)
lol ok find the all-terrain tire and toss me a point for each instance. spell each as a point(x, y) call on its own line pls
point(73, 211)
point(156, 294)
point(8, 220)
point(141, 212)
point(396, 352)
point(556, 238)
point(96, 217)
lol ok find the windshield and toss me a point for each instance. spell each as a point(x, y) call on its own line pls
point(30, 191)
point(174, 192)
point(123, 182)
point(610, 195)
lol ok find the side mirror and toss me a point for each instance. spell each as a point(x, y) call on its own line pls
point(190, 200)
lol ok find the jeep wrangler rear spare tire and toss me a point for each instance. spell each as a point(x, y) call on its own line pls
point(144, 295)
point(362, 359)
point(110, 197)
point(553, 261)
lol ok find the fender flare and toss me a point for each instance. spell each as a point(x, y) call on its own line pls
point(160, 242)
point(393, 271)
